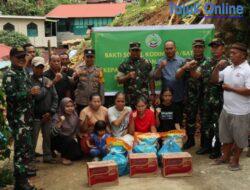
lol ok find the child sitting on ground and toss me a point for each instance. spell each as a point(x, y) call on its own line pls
point(97, 141)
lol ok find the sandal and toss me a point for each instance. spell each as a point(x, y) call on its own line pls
point(66, 161)
point(234, 167)
point(220, 161)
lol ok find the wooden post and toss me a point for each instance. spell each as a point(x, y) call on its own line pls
point(49, 49)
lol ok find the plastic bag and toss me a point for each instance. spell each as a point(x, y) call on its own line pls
point(148, 138)
point(173, 133)
point(178, 135)
point(118, 149)
point(129, 139)
point(121, 161)
point(169, 146)
point(144, 148)
point(177, 138)
point(115, 142)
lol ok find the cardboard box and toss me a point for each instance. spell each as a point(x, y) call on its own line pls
point(143, 164)
point(177, 164)
point(102, 173)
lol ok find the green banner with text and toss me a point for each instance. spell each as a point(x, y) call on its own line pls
point(112, 45)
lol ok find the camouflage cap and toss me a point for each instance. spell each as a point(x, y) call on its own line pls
point(198, 42)
point(135, 45)
point(217, 42)
point(89, 52)
point(17, 52)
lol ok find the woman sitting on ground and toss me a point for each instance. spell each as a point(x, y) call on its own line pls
point(119, 116)
point(167, 114)
point(65, 128)
point(89, 116)
point(142, 119)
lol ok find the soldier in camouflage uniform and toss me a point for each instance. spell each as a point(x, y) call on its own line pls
point(19, 106)
point(212, 101)
point(90, 79)
point(190, 74)
point(135, 73)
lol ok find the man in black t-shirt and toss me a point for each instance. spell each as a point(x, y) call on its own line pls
point(59, 79)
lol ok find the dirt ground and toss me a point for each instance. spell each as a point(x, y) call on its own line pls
point(205, 177)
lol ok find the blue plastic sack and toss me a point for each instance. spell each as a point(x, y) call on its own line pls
point(149, 141)
point(118, 150)
point(121, 161)
point(169, 146)
point(144, 148)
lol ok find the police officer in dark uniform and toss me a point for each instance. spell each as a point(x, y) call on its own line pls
point(90, 79)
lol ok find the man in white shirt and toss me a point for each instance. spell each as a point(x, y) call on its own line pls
point(235, 117)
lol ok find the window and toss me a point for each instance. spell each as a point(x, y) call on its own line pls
point(32, 30)
point(100, 22)
point(9, 27)
point(50, 29)
point(79, 27)
point(63, 25)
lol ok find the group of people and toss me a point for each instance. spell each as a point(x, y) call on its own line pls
point(67, 104)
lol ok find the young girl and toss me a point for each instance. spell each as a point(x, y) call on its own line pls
point(65, 128)
point(167, 114)
point(97, 141)
point(142, 119)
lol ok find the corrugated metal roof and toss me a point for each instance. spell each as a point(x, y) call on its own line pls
point(4, 51)
point(87, 10)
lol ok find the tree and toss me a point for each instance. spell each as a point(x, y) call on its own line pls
point(31, 7)
point(20, 7)
point(13, 38)
point(143, 2)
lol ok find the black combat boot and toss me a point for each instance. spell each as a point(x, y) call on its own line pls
point(202, 140)
point(190, 142)
point(203, 150)
point(206, 148)
point(216, 150)
point(22, 183)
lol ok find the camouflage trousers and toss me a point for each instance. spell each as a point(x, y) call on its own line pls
point(209, 120)
point(191, 110)
point(22, 147)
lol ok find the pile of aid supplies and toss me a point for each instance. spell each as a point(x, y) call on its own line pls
point(140, 156)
